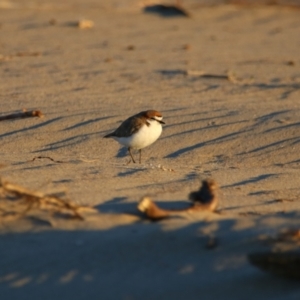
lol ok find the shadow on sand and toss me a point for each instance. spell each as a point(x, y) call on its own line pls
point(140, 260)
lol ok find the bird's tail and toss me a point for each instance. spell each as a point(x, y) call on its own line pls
point(108, 135)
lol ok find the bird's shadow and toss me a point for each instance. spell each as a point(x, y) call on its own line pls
point(123, 152)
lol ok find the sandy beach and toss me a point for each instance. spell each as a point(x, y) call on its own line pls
point(227, 81)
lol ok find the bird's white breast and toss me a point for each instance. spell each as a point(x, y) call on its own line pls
point(144, 137)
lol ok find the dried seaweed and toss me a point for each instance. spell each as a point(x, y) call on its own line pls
point(16, 202)
point(203, 200)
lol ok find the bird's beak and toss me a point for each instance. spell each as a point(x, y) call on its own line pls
point(161, 122)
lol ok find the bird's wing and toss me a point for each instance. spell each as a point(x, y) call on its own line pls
point(128, 127)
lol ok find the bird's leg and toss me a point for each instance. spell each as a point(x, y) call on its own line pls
point(129, 150)
point(140, 155)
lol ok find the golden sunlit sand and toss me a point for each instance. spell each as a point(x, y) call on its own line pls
point(227, 81)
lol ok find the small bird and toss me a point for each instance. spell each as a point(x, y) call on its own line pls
point(139, 131)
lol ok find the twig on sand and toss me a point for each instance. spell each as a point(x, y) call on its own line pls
point(47, 157)
point(22, 115)
point(13, 197)
point(204, 200)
